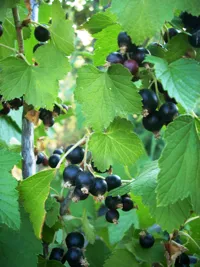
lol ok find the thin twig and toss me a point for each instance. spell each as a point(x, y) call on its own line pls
point(64, 205)
point(85, 153)
point(18, 29)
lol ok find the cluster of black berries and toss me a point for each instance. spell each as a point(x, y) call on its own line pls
point(12, 104)
point(130, 55)
point(53, 159)
point(48, 116)
point(74, 255)
point(153, 119)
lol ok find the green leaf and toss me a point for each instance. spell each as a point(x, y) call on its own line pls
point(106, 43)
point(88, 228)
point(179, 164)
point(119, 144)
point(126, 220)
point(62, 32)
point(34, 192)
point(100, 21)
point(53, 211)
point(9, 206)
point(180, 79)
point(9, 130)
point(38, 83)
point(122, 258)
point(48, 263)
point(105, 95)
point(8, 38)
point(19, 248)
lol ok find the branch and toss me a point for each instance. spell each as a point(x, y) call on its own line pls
point(18, 29)
point(64, 205)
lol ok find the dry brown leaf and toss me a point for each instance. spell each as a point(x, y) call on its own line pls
point(33, 116)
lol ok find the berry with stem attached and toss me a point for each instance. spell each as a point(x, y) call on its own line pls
point(56, 254)
point(132, 66)
point(99, 188)
point(113, 181)
point(74, 257)
point(42, 34)
point(53, 160)
point(75, 239)
point(127, 204)
point(16, 103)
point(113, 202)
point(146, 240)
point(112, 216)
point(79, 195)
point(40, 158)
point(85, 181)
point(149, 100)
point(168, 111)
point(153, 122)
point(76, 155)
point(58, 151)
point(69, 175)
point(115, 58)
point(140, 55)
point(124, 40)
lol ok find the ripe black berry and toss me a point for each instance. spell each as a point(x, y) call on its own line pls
point(99, 188)
point(140, 55)
point(194, 40)
point(41, 34)
point(53, 160)
point(76, 155)
point(113, 202)
point(182, 260)
point(153, 122)
point(79, 195)
point(47, 117)
point(16, 103)
point(127, 204)
point(113, 181)
point(5, 110)
point(37, 46)
point(112, 216)
point(75, 239)
point(168, 112)
point(146, 240)
point(131, 65)
point(40, 158)
point(58, 151)
point(149, 100)
point(160, 87)
point(74, 256)
point(123, 39)
point(49, 121)
point(115, 57)
point(85, 181)
point(190, 21)
point(193, 259)
point(69, 175)
point(170, 34)
point(1, 30)
point(56, 254)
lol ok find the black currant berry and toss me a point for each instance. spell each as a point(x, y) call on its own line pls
point(123, 39)
point(113, 203)
point(193, 259)
point(79, 195)
point(53, 160)
point(49, 122)
point(149, 100)
point(76, 155)
point(36, 47)
point(168, 112)
point(182, 260)
point(74, 256)
point(190, 21)
point(160, 87)
point(132, 66)
point(115, 57)
point(56, 254)
point(153, 122)
point(112, 216)
point(194, 40)
point(140, 55)
point(146, 240)
point(169, 34)
point(99, 188)
point(47, 117)
point(1, 29)
point(58, 151)
point(113, 181)
point(102, 211)
point(69, 175)
point(56, 110)
point(127, 204)
point(41, 34)
point(168, 98)
point(5, 110)
point(40, 158)
point(75, 239)
point(16, 103)
point(85, 181)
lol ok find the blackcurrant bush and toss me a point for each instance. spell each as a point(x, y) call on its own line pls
point(85, 181)
point(56, 254)
point(194, 40)
point(127, 204)
point(79, 195)
point(69, 175)
point(1, 29)
point(153, 122)
point(99, 188)
point(146, 240)
point(112, 216)
point(42, 34)
point(168, 112)
point(183, 259)
point(75, 239)
point(115, 57)
point(16, 103)
point(113, 202)
point(169, 34)
point(76, 155)
point(74, 256)
point(40, 158)
point(149, 100)
point(58, 151)
point(36, 47)
point(132, 66)
point(53, 160)
point(140, 55)
point(190, 21)
point(123, 39)
point(113, 181)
